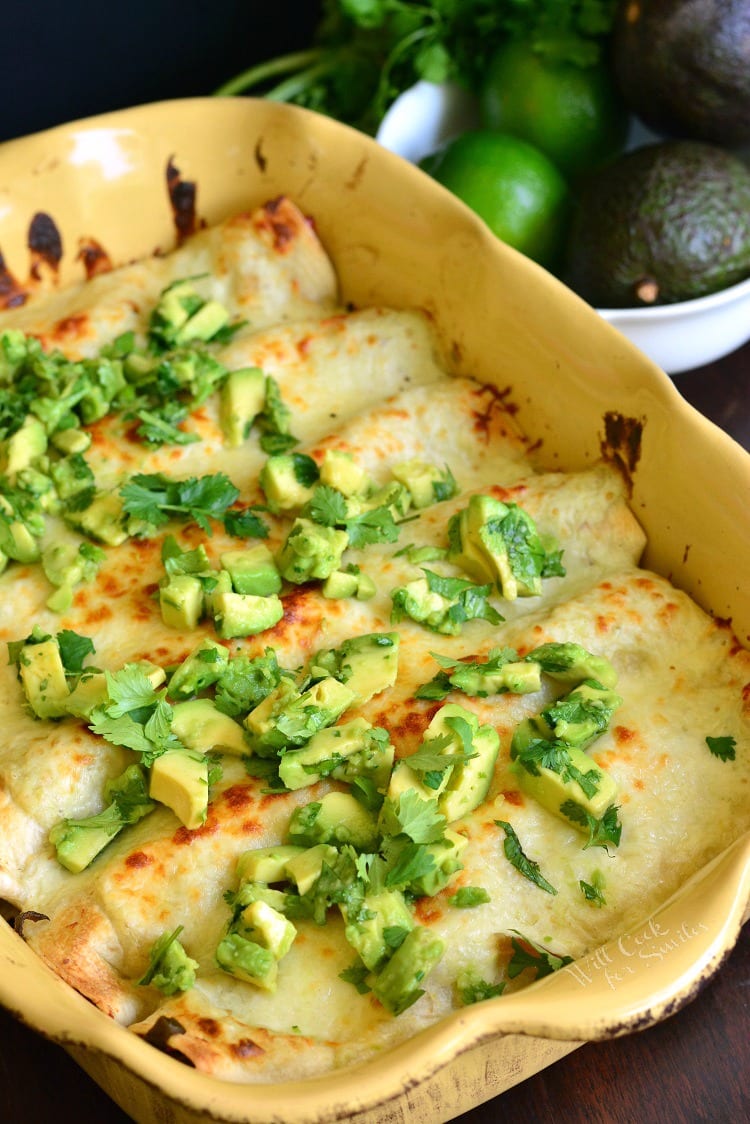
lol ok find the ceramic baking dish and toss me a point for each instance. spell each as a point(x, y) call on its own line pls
point(121, 185)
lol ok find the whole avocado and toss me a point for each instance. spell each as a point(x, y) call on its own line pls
point(683, 66)
point(664, 223)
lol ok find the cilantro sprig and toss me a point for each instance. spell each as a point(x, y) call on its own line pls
point(157, 499)
point(515, 855)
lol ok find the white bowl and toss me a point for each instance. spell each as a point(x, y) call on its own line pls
point(691, 333)
point(677, 337)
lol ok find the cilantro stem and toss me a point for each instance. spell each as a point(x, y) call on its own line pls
point(297, 83)
point(262, 72)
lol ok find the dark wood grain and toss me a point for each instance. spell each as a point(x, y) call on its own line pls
point(691, 1069)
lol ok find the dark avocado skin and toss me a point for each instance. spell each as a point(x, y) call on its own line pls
point(683, 66)
point(673, 215)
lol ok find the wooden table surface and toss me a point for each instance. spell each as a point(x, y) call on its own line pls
point(694, 1068)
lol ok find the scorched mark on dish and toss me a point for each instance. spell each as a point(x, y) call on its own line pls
point(45, 244)
point(182, 195)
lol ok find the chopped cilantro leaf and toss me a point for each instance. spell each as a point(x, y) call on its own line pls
point(469, 897)
point(602, 831)
point(73, 649)
point(524, 865)
point(472, 988)
point(156, 499)
point(527, 954)
point(722, 747)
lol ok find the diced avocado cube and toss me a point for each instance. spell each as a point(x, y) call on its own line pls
point(469, 553)
point(367, 664)
point(243, 396)
point(267, 864)
point(181, 602)
point(552, 789)
point(338, 470)
point(262, 719)
point(222, 584)
point(248, 961)
point(520, 677)
point(405, 779)
point(446, 854)
point(203, 324)
point(339, 585)
point(43, 678)
point(252, 571)
point(200, 726)
point(283, 489)
point(582, 715)
point(397, 986)
point(338, 818)
point(366, 588)
point(199, 670)
point(469, 781)
point(89, 692)
point(420, 478)
point(71, 441)
point(242, 614)
point(17, 541)
point(294, 721)
point(304, 869)
point(103, 519)
point(345, 751)
point(78, 842)
point(570, 663)
point(60, 600)
point(265, 925)
point(250, 892)
point(179, 779)
point(23, 447)
point(384, 915)
point(311, 551)
point(77, 845)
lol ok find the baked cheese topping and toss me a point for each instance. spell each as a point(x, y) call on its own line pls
point(328, 708)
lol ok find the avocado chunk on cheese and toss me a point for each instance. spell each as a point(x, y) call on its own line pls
point(446, 857)
point(291, 718)
point(339, 470)
point(252, 571)
point(268, 927)
point(181, 602)
point(340, 584)
point(18, 451)
point(267, 864)
point(570, 663)
point(469, 781)
point(582, 715)
point(285, 487)
point(371, 933)
point(304, 869)
point(200, 726)
point(200, 669)
point(243, 614)
point(17, 541)
point(346, 751)
point(243, 396)
point(497, 542)
point(103, 519)
point(338, 818)
point(311, 552)
point(248, 961)
point(43, 678)
point(367, 664)
point(71, 441)
point(78, 842)
point(426, 482)
point(179, 779)
point(397, 985)
point(578, 780)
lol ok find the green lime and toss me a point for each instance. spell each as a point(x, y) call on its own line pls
point(518, 192)
point(572, 113)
